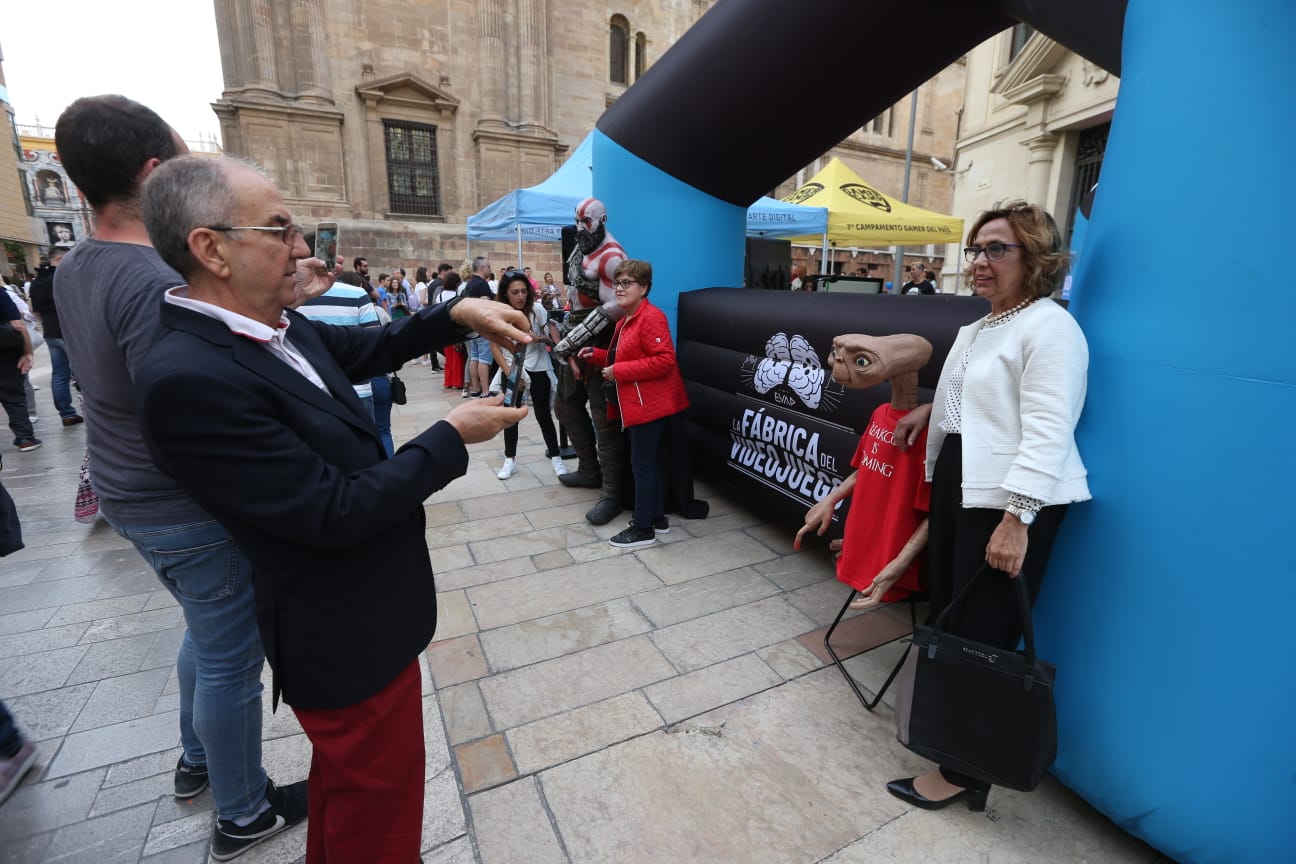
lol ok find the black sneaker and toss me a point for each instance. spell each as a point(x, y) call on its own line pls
point(287, 808)
point(634, 536)
point(189, 779)
point(661, 526)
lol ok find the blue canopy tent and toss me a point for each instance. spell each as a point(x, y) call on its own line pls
point(538, 213)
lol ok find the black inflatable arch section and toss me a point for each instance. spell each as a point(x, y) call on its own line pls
point(751, 66)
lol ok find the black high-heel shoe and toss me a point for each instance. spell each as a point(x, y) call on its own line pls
point(905, 791)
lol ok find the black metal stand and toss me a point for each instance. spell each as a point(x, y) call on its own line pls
point(913, 620)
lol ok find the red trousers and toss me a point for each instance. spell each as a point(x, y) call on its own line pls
point(366, 777)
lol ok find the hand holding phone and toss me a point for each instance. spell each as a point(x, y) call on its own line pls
point(511, 382)
point(326, 245)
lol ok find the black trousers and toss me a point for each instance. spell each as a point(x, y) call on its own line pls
point(956, 548)
point(541, 395)
point(14, 398)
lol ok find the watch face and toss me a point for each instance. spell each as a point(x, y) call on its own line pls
point(1026, 517)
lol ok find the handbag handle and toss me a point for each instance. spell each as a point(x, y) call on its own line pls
point(1023, 603)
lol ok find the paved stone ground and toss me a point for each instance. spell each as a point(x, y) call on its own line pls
point(582, 703)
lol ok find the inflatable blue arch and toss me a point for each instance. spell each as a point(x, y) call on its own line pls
point(1176, 688)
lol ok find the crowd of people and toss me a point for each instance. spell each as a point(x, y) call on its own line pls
point(238, 399)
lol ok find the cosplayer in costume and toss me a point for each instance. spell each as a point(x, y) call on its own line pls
point(886, 528)
point(594, 312)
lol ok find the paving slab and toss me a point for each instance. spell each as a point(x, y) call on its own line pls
point(702, 596)
point(464, 713)
point(544, 689)
point(756, 781)
point(116, 838)
point(535, 596)
point(721, 635)
point(703, 556)
point(554, 635)
point(580, 731)
point(108, 744)
point(512, 826)
point(698, 692)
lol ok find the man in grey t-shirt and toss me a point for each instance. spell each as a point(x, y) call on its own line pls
point(108, 292)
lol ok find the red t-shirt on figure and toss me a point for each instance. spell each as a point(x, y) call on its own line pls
point(889, 501)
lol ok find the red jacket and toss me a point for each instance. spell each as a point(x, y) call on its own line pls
point(648, 380)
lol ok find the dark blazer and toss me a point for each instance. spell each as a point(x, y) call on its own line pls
point(334, 529)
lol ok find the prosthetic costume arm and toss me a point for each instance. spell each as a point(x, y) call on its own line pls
point(591, 326)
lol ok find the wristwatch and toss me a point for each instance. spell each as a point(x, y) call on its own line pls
point(1025, 517)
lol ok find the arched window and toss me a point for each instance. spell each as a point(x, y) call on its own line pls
point(619, 50)
point(641, 54)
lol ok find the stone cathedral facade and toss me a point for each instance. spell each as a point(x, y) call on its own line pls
point(399, 119)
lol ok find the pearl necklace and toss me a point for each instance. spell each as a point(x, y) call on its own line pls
point(1003, 317)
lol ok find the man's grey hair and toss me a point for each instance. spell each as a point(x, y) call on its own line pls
point(185, 193)
point(478, 263)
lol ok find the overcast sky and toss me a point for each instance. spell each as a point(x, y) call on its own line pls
point(163, 54)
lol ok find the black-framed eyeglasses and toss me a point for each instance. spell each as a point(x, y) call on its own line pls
point(626, 283)
point(288, 233)
point(993, 251)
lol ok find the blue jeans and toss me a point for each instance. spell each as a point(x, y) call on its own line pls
point(382, 403)
point(61, 378)
point(220, 659)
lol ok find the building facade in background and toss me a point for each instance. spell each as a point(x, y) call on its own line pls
point(876, 152)
point(1034, 126)
point(21, 250)
point(61, 214)
point(399, 121)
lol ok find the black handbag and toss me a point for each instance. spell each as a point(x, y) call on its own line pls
point(980, 710)
point(397, 389)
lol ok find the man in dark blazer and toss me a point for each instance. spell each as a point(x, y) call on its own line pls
point(250, 407)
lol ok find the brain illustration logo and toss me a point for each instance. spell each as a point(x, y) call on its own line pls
point(791, 362)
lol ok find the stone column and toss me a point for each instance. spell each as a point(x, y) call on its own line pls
point(227, 36)
point(314, 81)
point(256, 48)
point(1041, 149)
point(490, 60)
point(532, 72)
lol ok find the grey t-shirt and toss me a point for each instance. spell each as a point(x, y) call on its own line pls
point(109, 299)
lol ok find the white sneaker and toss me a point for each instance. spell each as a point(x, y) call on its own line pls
point(559, 468)
point(507, 471)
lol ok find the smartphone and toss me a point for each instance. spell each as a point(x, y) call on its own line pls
point(326, 245)
point(511, 383)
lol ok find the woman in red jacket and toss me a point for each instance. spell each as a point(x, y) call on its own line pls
point(639, 367)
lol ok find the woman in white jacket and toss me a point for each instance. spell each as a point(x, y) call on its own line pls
point(1001, 451)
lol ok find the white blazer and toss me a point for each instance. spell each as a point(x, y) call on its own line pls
point(1022, 397)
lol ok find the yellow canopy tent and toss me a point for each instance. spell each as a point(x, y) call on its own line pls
point(859, 215)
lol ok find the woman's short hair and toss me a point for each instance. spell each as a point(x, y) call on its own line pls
point(451, 281)
point(501, 291)
point(1042, 252)
point(639, 271)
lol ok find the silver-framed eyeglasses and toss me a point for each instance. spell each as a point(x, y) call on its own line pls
point(993, 251)
point(625, 283)
point(288, 233)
